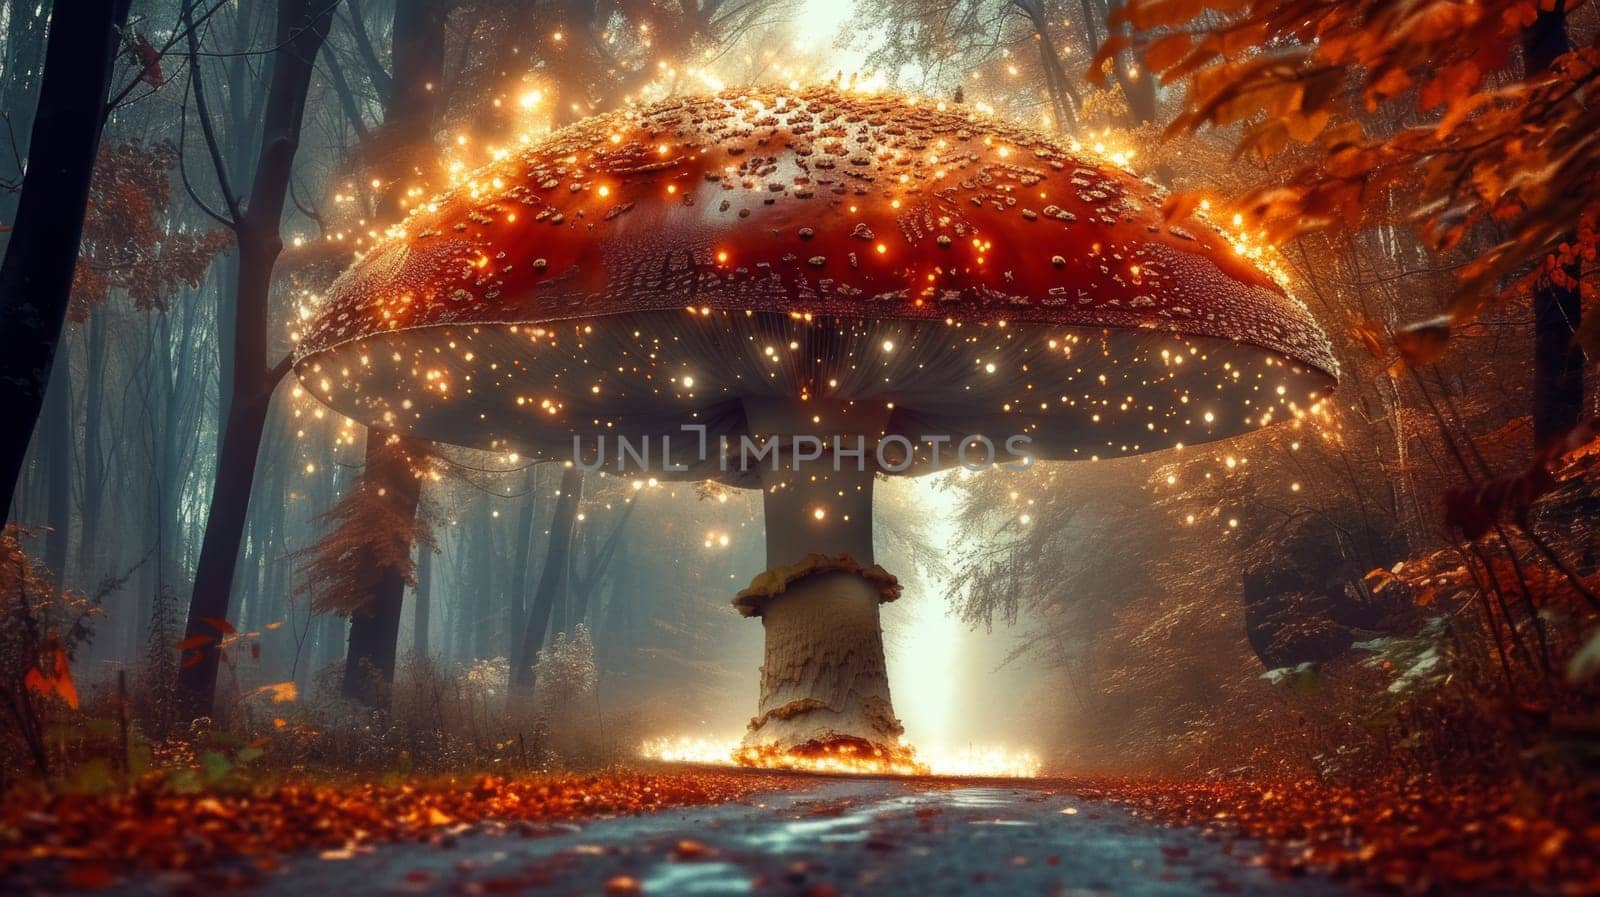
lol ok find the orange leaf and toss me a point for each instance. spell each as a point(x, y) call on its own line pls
point(1113, 45)
point(219, 624)
point(37, 683)
point(1166, 52)
point(1179, 206)
point(54, 675)
point(65, 687)
point(1371, 335)
point(279, 692)
point(1391, 83)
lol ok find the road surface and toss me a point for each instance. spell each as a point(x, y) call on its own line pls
point(847, 836)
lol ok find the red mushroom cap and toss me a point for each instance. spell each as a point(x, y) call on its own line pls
point(650, 268)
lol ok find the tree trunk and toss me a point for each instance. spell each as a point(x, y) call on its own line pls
point(583, 591)
point(244, 138)
point(301, 29)
point(481, 589)
point(1064, 101)
point(522, 551)
point(418, 54)
point(36, 276)
point(423, 610)
point(1557, 309)
point(613, 632)
point(460, 628)
point(26, 22)
point(552, 579)
point(415, 87)
point(94, 466)
point(57, 456)
point(375, 626)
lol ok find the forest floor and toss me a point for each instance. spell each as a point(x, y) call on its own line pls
point(695, 831)
point(817, 837)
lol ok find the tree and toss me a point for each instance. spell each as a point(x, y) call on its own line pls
point(36, 276)
point(409, 113)
point(553, 579)
point(363, 564)
point(1491, 162)
point(132, 244)
point(302, 26)
point(1011, 54)
point(1557, 300)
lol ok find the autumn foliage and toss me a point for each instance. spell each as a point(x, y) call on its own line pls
point(1397, 834)
point(371, 530)
point(87, 840)
point(1383, 110)
point(129, 240)
point(40, 628)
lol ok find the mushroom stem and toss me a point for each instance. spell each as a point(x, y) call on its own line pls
point(824, 684)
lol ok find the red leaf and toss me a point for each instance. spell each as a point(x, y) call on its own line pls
point(148, 58)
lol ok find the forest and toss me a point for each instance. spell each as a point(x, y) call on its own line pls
point(807, 448)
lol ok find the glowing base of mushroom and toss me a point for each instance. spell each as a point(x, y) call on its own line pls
point(839, 755)
point(970, 762)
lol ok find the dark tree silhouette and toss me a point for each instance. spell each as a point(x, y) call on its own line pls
point(553, 579)
point(362, 566)
point(36, 276)
point(302, 26)
point(1557, 306)
point(409, 113)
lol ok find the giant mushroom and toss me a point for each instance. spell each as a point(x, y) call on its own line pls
point(855, 286)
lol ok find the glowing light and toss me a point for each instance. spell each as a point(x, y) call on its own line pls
point(903, 760)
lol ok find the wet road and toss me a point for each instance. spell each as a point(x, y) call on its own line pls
point(838, 837)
